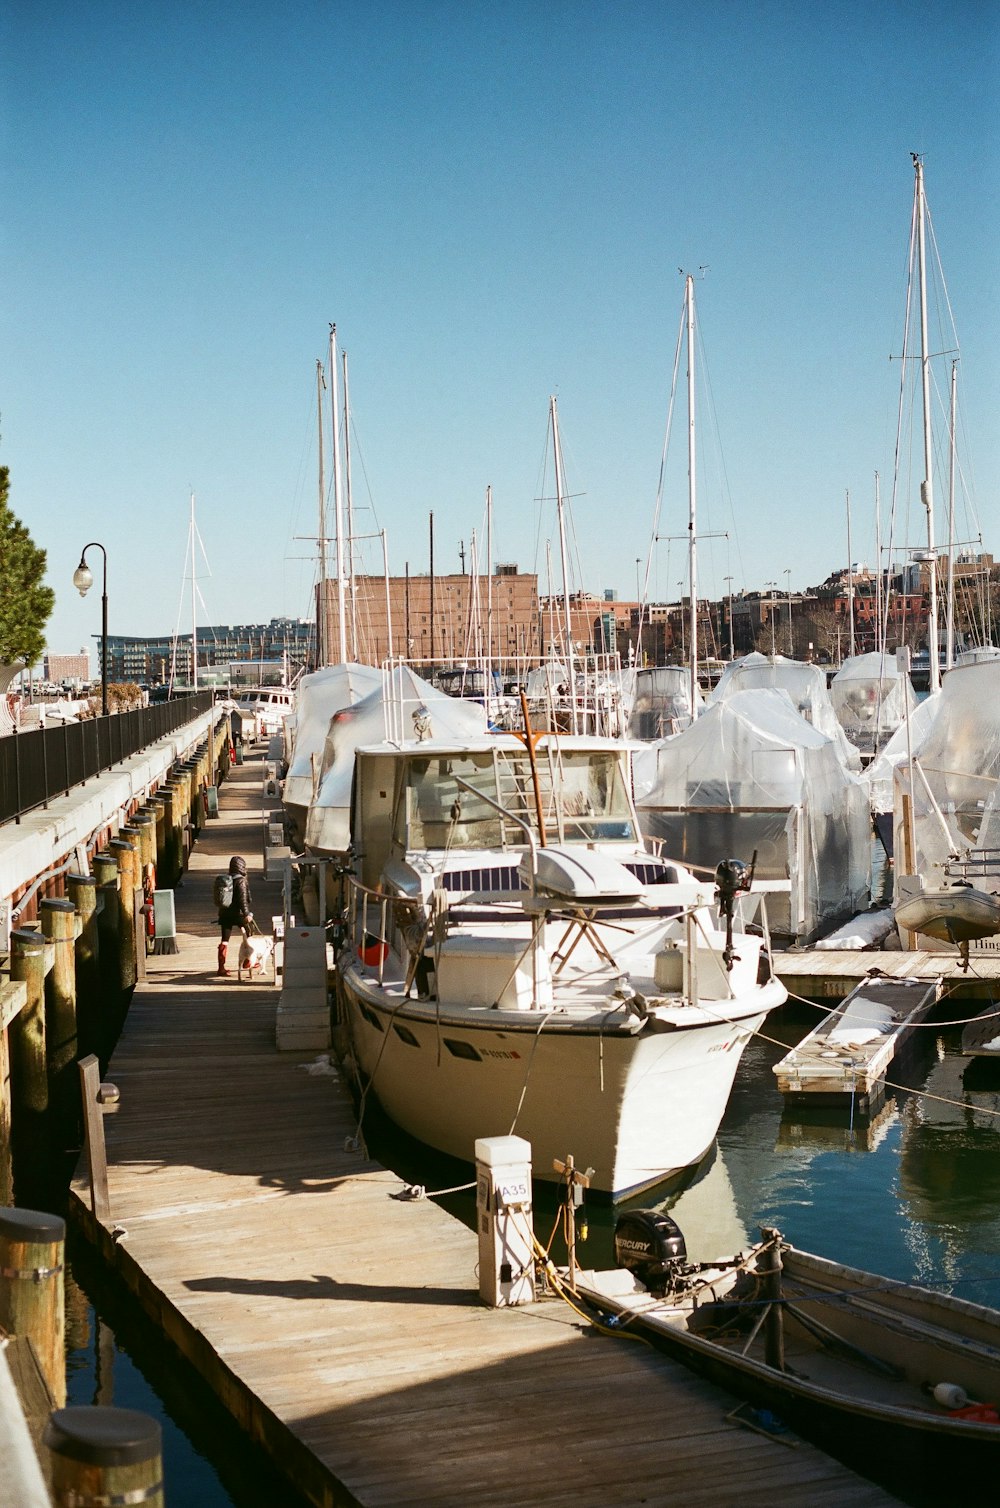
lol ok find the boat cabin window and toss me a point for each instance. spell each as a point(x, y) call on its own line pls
point(582, 794)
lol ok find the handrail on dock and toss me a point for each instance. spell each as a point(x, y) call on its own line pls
point(39, 765)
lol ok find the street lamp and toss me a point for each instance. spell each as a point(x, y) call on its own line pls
point(83, 580)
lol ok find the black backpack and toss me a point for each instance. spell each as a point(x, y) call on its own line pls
point(222, 891)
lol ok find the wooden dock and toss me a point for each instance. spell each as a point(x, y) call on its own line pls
point(845, 1058)
point(342, 1327)
point(828, 974)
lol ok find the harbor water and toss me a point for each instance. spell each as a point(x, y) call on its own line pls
point(913, 1193)
point(115, 1355)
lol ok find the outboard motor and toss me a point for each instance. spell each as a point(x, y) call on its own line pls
point(732, 878)
point(650, 1245)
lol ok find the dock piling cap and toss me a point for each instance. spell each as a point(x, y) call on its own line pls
point(28, 940)
point(500, 1151)
point(31, 1226)
point(102, 1436)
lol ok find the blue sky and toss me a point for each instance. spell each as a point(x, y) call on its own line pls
point(492, 202)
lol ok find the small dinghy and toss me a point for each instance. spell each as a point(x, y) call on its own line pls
point(958, 914)
point(901, 1382)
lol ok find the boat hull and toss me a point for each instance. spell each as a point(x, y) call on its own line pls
point(868, 1401)
point(954, 915)
point(636, 1105)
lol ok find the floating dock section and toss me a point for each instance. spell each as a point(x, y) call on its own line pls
point(981, 1037)
point(845, 1059)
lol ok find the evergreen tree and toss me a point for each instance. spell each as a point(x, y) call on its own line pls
point(25, 602)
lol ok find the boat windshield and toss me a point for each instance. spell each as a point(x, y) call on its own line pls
point(582, 794)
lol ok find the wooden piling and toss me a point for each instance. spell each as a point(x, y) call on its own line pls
point(134, 833)
point(12, 998)
point(105, 866)
point(181, 787)
point(124, 855)
point(146, 824)
point(169, 866)
point(59, 928)
point(190, 768)
point(29, 1071)
point(82, 891)
point(102, 1455)
point(31, 1288)
point(157, 810)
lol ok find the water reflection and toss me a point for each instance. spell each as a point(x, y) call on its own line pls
point(207, 1460)
point(913, 1193)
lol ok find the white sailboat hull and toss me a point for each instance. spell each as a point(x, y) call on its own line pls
point(636, 1105)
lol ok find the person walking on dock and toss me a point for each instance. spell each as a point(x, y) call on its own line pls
point(234, 902)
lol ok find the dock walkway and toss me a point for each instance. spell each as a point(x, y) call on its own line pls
point(831, 974)
point(342, 1327)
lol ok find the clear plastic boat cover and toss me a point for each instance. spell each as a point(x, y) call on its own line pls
point(805, 684)
point(403, 707)
point(752, 774)
point(662, 702)
point(953, 778)
point(879, 775)
point(870, 696)
point(317, 698)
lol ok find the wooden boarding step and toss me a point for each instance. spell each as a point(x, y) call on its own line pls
point(303, 1016)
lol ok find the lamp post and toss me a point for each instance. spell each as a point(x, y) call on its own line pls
point(83, 580)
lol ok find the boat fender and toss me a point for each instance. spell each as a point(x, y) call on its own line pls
point(950, 1395)
point(372, 951)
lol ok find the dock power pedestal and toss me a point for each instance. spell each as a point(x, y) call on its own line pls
point(503, 1208)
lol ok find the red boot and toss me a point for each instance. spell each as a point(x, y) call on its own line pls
point(222, 961)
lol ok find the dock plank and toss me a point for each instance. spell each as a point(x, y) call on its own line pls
point(343, 1327)
point(820, 973)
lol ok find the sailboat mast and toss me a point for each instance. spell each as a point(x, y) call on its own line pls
point(194, 610)
point(850, 581)
point(949, 656)
point(879, 632)
point(350, 512)
point(692, 494)
point(489, 578)
point(927, 486)
point(337, 501)
point(323, 615)
point(562, 562)
point(388, 598)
